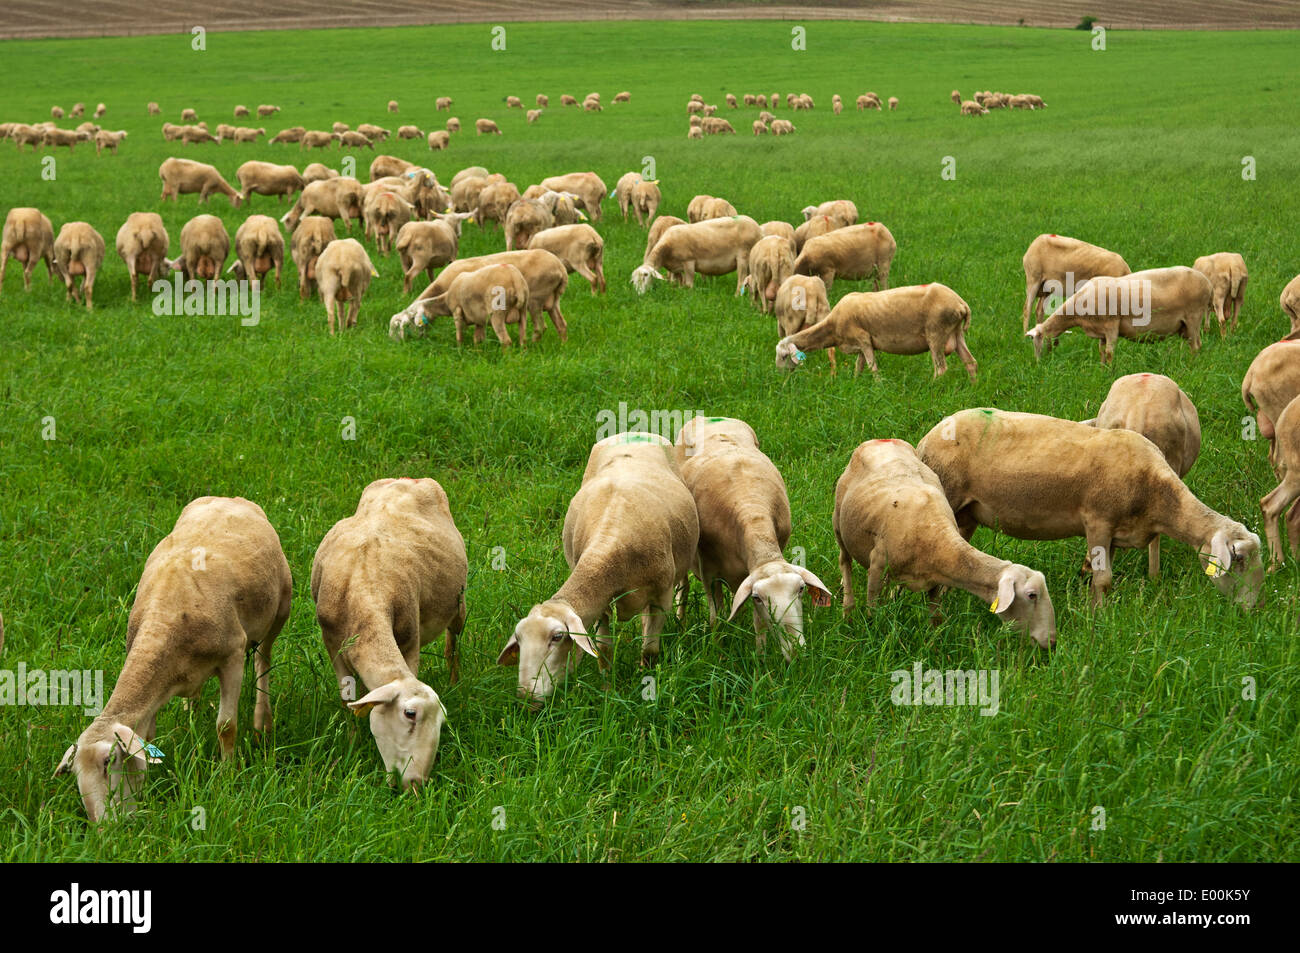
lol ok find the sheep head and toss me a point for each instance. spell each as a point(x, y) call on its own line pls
point(1233, 561)
point(109, 761)
point(547, 644)
point(1022, 600)
point(406, 718)
point(776, 590)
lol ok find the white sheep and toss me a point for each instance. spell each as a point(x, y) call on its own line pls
point(142, 244)
point(79, 250)
point(343, 273)
point(715, 247)
point(1228, 277)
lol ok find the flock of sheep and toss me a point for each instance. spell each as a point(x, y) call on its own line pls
point(651, 511)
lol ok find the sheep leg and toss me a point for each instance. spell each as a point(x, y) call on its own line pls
point(262, 717)
point(688, 275)
point(868, 354)
point(4, 260)
point(939, 358)
point(1032, 301)
point(1293, 528)
point(329, 310)
point(586, 272)
point(499, 326)
point(652, 623)
point(88, 289)
point(354, 307)
point(846, 576)
point(1223, 321)
point(604, 644)
point(1099, 538)
point(1194, 335)
point(830, 352)
point(875, 576)
point(230, 676)
point(742, 274)
point(932, 599)
point(480, 333)
point(450, 650)
point(963, 352)
point(598, 266)
point(557, 319)
point(343, 673)
point(1274, 505)
point(1153, 558)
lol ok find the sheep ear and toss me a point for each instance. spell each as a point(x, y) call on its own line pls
point(134, 747)
point(66, 764)
point(578, 632)
point(742, 595)
point(510, 654)
point(383, 695)
point(1006, 593)
point(821, 596)
point(1220, 555)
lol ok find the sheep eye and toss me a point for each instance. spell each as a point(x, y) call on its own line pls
point(557, 637)
point(410, 713)
point(1032, 596)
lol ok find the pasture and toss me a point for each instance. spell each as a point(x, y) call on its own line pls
point(1140, 710)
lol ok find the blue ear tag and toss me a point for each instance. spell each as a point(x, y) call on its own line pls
point(153, 751)
point(800, 357)
point(420, 319)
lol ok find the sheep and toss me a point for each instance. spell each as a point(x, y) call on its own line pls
point(340, 127)
point(863, 103)
point(533, 115)
point(66, 137)
point(343, 273)
point(453, 124)
point(626, 97)
point(744, 525)
point(816, 226)
point(646, 199)
point(309, 239)
point(1037, 477)
point(267, 110)
point(801, 302)
point(759, 127)
point(495, 295)
point(443, 102)
point(25, 135)
point(893, 103)
point(524, 219)
point(89, 127)
point(267, 178)
point(1228, 277)
point(205, 243)
point(355, 140)
point(1286, 460)
point(108, 139)
point(469, 172)
point(697, 98)
point(224, 131)
point(661, 225)
point(385, 212)
point(1021, 102)
point(194, 134)
point(543, 100)
point(837, 104)
point(891, 515)
point(956, 97)
point(514, 102)
point(730, 98)
point(592, 106)
point(969, 108)
point(292, 134)
point(694, 106)
point(79, 250)
point(241, 111)
point(843, 211)
point(56, 112)
point(784, 229)
point(317, 139)
point(1271, 382)
point(1055, 262)
point(587, 186)
point(438, 139)
point(853, 252)
point(392, 105)
point(372, 132)
point(383, 166)
point(424, 246)
point(1158, 302)
point(546, 275)
point(771, 262)
point(337, 197)
point(259, 247)
point(579, 247)
point(630, 534)
point(486, 127)
point(465, 193)
point(1290, 301)
point(153, 109)
point(702, 208)
point(781, 127)
point(317, 172)
point(214, 590)
point(78, 110)
point(714, 126)
point(189, 115)
point(184, 176)
point(695, 132)
point(142, 244)
point(245, 134)
point(386, 581)
point(908, 320)
point(713, 247)
point(410, 132)
point(623, 191)
point(100, 110)
point(28, 237)
point(1156, 407)
point(494, 201)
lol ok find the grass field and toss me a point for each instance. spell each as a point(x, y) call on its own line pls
point(1140, 710)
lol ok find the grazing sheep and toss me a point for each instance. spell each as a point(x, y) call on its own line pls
point(486, 127)
point(543, 101)
point(108, 139)
point(338, 197)
point(956, 97)
point(317, 172)
point(213, 591)
point(893, 103)
point(267, 178)
point(205, 243)
point(730, 99)
point(372, 132)
point(514, 102)
point(470, 172)
point(1228, 277)
point(567, 100)
point(424, 246)
point(56, 112)
point(25, 135)
point(241, 111)
point(292, 134)
point(267, 110)
point(409, 132)
point(714, 247)
point(661, 225)
point(1290, 301)
point(1286, 461)
point(392, 105)
point(744, 525)
point(1271, 382)
point(587, 186)
point(317, 139)
point(494, 201)
point(100, 110)
point(1158, 302)
point(384, 213)
point(79, 250)
point(581, 249)
point(154, 109)
point(801, 302)
point(816, 226)
point(465, 193)
point(837, 104)
point(534, 115)
point(384, 166)
point(784, 229)
point(771, 262)
point(759, 127)
point(189, 115)
point(343, 273)
point(969, 108)
point(1156, 407)
point(495, 295)
point(854, 252)
point(453, 124)
point(524, 219)
point(185, 176)
point(695, 132)
point(908, 320)
point(142, 244)
point(309, 239)
point(715, 125)
point(66, 137)
point(443, 102)
point(843, 211)
point(355, 140)
point(623, 191)
point(781, 127)
point(546, 275)
point(626, 97)
point(78, 110)
point(630, 534)
point(438, 140)
point(386, 581)
point(592, 106)
point(891, 515)
point(259, 247)
point(702, 208)
point(646, 199)
point(1037, 477)
point(1054, 262)
point(28, 237)
point(340, 127)
point(196, 134)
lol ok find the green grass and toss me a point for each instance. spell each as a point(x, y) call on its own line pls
point(1139, 711)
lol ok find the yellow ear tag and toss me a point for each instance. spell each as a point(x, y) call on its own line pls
point(1212, 570)
point(360, 711)
point(994, 606)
